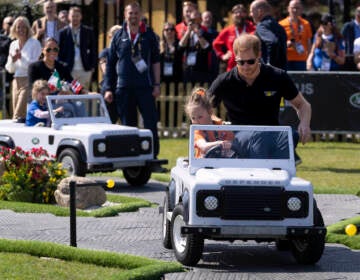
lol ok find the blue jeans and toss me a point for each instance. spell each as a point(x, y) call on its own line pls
point(128, 100)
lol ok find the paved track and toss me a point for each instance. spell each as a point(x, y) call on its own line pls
point(139, 233)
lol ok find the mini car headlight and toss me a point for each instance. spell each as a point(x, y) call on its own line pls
point(211, 203)
point(101, 147)
point(145, 145)
point(294, 204)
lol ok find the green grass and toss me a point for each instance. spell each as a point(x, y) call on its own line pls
point(34, 260)
point(331, 167)
point(336, 233)
point(127, 204)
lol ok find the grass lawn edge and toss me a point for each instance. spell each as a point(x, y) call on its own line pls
point(336, 233)
point(136, 267)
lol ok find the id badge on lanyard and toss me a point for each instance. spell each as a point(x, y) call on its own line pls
point(168, 69)
point(191, 59)
point(138, 61)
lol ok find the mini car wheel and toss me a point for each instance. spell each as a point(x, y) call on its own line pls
point(282, 244)
point(188, 248)
point(71, 161)
point(166, 233)
point(138, 175)
point(309, 250)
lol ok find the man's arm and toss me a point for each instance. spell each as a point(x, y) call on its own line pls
point(303, 109)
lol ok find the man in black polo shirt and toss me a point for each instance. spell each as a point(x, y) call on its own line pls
point(252, 91)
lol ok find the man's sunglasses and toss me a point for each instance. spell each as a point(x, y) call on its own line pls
point(52, 49)
point(248, 61)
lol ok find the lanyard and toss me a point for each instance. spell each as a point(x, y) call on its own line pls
point(299, 29)
point(134, 43)
point(242, 32)
point(76, 39)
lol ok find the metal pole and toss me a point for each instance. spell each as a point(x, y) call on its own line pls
point(72, 214)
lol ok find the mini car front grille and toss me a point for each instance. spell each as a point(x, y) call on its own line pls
point(119, 146)
point(123, 145)
point(252, 203)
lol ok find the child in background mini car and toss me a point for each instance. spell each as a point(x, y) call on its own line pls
point(37, 113)
point(200, 111)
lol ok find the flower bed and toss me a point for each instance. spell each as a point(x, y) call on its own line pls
point(29, 176)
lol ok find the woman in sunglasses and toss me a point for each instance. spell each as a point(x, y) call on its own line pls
point(23, 51)
point(49, 66)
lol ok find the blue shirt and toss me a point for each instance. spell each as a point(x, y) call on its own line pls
point(31, 120)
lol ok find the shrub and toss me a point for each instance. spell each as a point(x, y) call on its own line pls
point(29, 176)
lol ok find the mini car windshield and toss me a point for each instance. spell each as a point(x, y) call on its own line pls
point(75, 108)
point(241, 146)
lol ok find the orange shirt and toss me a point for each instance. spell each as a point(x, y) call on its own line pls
point(210, 136)
point(301, 33)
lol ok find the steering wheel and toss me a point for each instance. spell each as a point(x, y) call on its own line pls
point(214, 152)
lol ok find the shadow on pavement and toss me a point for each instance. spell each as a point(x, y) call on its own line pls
point(242, 257)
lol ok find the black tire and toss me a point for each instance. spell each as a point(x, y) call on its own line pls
point(71, 161)
point(166, 225)
point(309, 250)
point(188, 248)
point(138, 175)
point(282, 244)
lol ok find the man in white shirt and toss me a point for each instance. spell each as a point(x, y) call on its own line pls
point(49, 25)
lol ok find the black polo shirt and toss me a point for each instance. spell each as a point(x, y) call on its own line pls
point(257, 104)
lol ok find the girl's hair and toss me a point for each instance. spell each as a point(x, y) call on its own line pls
point(163, 39)
point(325, 19)
point(196, 99)
point(13, 33)
point(38, 86)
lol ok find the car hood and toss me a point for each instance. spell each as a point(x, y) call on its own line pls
point(243, 176)
point(101, 128)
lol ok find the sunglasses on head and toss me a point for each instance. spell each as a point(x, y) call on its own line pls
point(52, 49)
point(248, 61)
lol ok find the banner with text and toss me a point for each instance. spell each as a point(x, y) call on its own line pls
point(334, 98)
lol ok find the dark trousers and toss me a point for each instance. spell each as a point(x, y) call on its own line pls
point(128, 100)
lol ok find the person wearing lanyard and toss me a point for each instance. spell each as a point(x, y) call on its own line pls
point(77, 48)
point(299, 34)
point(223, 43)
point(132, 77)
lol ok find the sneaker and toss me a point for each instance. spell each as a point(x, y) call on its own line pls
point(297, 159)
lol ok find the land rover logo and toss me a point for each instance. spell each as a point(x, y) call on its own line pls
point(355, 100)
point(35, 140)
point(267, 209)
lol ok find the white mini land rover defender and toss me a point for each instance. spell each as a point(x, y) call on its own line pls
point(83, 138)
point(248, 193)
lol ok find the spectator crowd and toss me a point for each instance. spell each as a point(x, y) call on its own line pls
point(59, 46)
